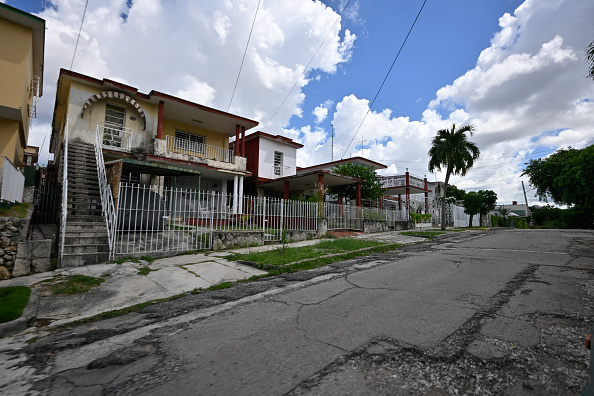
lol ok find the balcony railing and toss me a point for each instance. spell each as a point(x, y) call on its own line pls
point(115, 137)
point(34, 95)
point(279, 171)
point(201, 150)
point(400, 181)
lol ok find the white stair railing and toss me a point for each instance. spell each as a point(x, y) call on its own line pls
point(107, 204)
point(64, 192)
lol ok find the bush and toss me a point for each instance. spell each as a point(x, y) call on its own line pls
point(495, 221)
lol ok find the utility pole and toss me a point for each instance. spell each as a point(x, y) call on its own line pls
point(525, 200)
point(332, 125)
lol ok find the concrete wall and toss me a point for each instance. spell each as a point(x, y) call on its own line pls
point(234, 239)
point(12, 232)
point(370, 226)
point(266, 158)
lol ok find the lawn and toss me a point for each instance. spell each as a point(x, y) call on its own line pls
point(292, 254)
point(19, 211)
point(13, 300)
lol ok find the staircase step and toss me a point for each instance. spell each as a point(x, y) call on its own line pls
point(88, 248)
point(84, 237)
point(80, 259)
point(85, 220)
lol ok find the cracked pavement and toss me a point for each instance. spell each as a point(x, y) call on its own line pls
point(502, 312)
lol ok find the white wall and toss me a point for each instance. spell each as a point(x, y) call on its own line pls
point(266, 158)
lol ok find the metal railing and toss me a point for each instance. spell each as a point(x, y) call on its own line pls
point(201, 150)
point(400, 181)
point(34, 94)
point(115, 137)
point(280, 171)
point(64, 212)
point(12, 181)
point(107, 204)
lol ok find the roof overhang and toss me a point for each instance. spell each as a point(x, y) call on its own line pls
point(355, 160)
point(402, 190)
point(136, 166)
point(308, 180)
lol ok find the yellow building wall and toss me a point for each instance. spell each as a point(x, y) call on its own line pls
point(16, 67)
point(10, 142)
point(211, 138)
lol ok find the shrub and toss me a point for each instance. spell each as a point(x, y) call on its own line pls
point(494, 221)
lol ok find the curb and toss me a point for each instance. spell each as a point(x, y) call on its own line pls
point(29, 313)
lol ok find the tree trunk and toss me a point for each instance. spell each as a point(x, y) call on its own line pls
point(443, 203)
point(470, 222)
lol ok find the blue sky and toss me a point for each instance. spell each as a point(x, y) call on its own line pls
point(514, 69)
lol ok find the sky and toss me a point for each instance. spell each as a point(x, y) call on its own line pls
point(514, 69)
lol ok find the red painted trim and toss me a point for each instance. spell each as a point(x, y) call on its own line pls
point(284, 139)
point(286, 190)
point(380, 166)
point(160, 119)
point(243, 141)
point(252, 153)
point(321, 184)
point(237, 129)
point(358, 187)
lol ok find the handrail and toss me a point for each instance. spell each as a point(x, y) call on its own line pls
point(107, 204)
point(115, 137)
point(201, 150)
point(64, 191)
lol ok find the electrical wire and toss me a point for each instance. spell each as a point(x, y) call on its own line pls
point(307, 66)
point(79, 30)
point(385, 78)
point(244, 52)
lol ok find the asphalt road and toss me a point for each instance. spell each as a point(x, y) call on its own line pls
point(502, 312)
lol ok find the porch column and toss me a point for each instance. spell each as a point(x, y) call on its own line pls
point(426, 197)
point(237, 129)
point(240, 194)
point(286, 189)
point(160, 120)
point(340, 199)
point(243, 141)
point(224, 197)
point(407, 192)
point(358, 193)
point(235, 194)
point(321, 186)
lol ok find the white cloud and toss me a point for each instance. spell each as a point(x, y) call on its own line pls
point(321, 113)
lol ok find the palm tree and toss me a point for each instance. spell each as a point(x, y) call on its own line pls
point(590, 59)
point(451, 150)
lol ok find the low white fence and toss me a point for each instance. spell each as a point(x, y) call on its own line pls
point(12, 181)
point(458, 217)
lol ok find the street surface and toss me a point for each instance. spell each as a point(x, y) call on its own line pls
point(501, 312)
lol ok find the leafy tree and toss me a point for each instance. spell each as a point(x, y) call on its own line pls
point(473, 203)
point(372, 188)
point(451, 150)
point(590, 59)
point(565, 176)
point(456, 193)
point(489, 201)
point(504, 212)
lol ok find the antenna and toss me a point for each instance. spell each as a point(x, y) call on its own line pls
point(332, 125)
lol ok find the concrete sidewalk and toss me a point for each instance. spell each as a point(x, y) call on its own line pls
point(125, 287)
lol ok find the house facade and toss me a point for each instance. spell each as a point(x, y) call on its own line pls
point(22, 38)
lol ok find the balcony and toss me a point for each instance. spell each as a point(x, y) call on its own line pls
point(34, 96)
point(200, 150)
point(400, 181)
point(279, 171)
point(115, 137)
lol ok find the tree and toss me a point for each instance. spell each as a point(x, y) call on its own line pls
point(565, 176)
point(504, 212)
point(590, 59)
point(451, 150)
point(457, 193)
point(372, 188)
point(489, 201)
point(473, 202)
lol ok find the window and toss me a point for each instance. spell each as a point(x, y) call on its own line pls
point(114, 124)
point(278, 163)
point(188, 141)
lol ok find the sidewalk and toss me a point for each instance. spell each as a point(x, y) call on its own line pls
point(125, 287)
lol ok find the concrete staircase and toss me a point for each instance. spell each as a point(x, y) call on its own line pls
point(85, 240)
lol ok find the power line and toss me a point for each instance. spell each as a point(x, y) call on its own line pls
point(243, 59)
point(79, 30)
point(306, 67)
point(385, 78)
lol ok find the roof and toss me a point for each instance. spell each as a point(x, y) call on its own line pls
point(38, 26)
point(356, 160)
point(307, 180)
point(277, 138)
point(175, 108)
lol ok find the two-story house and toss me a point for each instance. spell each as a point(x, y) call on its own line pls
point(22, 39)
point(148, 139)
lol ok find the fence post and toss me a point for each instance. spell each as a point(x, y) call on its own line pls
point(282, 218)
point(211, 238)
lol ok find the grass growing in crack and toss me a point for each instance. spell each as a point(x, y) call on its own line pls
point(425, 234)
point(75, 284)
point(13, 300)
point(149, 259)
point(146, 270)
point(275, 257)
point(124, 260)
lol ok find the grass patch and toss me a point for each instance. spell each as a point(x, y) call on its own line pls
point(149, 259)
point(75, 284)
point(424, 234)
point(276, 256)
point(19, 211)
point(13, 300)
point(146, 270)
point(124, 260)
